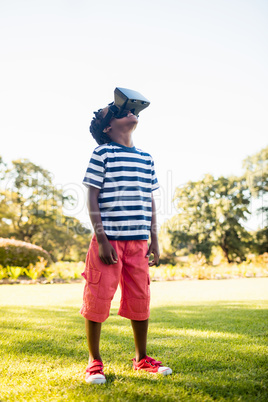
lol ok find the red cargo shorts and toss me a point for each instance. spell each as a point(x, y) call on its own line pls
point(132, 273)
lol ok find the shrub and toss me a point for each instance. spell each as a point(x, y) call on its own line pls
point(3, 272)
point(200, 270)
point(64, 270)
point(35, 271)
point(14, 272)
point(20, 253)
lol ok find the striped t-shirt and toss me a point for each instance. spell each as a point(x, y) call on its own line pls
point(126, 179)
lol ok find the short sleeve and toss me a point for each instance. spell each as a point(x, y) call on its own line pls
point(155, 184)
point(95, 172)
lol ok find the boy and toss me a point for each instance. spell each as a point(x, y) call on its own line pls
point(120, 181)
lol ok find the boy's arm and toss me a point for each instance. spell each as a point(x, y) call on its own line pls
point(106, 251)
point(153, 248)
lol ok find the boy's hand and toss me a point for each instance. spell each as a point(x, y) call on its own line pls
point(153, 249)
point(107, 253)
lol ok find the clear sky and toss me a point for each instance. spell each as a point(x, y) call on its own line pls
point(202, 63)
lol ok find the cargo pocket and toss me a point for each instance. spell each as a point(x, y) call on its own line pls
point(149, 293)
point(91, 288)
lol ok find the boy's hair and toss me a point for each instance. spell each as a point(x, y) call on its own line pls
point(96, 131)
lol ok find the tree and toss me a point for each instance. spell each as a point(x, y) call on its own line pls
point(256, 172)
point(256, 175)
point(30, 198)
point(65, 239)
point(210, 212)
point(32, 210)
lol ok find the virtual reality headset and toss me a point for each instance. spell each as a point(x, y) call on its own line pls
point(125, 100)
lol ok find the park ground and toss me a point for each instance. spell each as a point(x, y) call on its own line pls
point(213, 334)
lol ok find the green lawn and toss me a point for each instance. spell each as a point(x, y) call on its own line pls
point(213, 334)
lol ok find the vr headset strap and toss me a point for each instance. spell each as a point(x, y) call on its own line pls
point(113, 109)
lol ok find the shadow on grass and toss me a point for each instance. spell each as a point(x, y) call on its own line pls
point(221, 317)
point(173, 388)
point(214, 349)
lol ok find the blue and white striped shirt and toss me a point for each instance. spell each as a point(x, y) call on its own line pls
point(126, 179)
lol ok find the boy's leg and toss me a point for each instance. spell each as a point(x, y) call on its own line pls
point(140, 330)
point(101, 279)
point(135, 286)
point(93, 331)
point(142, 361)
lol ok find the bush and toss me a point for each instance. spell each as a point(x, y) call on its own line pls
point(21, 254)
point(35, 271)
point(64, 270)
point(14, 272)
point(255, 266)
point(3, 272)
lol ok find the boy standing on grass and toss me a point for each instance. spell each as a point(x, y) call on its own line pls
point(120, 180)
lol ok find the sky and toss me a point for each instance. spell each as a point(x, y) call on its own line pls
point(202, 64)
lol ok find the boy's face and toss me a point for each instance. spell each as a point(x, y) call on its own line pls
point(130, 121)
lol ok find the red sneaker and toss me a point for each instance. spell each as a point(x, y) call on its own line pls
point(151, 365)
point(94, 373)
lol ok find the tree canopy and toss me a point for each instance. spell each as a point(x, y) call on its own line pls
point(32, 210)
point(212, 211)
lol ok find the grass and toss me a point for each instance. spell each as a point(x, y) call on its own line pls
point(212, 333)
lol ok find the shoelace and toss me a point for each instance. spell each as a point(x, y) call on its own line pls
point(95, 367)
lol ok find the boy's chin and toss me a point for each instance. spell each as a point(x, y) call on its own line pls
point(131, 121)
